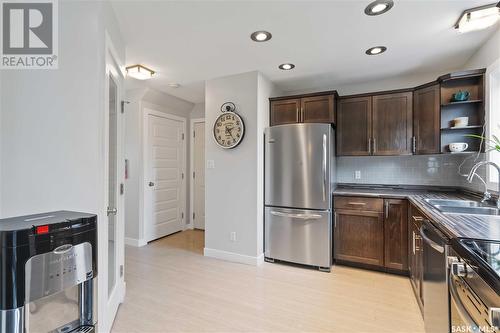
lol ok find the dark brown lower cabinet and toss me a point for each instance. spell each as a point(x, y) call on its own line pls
point(372, 231)
point(415, 254)
point(396, 234)
point(359, 236)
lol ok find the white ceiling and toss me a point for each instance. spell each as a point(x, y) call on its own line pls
point(189, 42)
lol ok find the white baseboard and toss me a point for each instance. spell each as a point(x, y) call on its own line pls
point(233, 257)
point(135, 242)
point(188, 226)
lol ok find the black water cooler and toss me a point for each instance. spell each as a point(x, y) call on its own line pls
point(48, 273)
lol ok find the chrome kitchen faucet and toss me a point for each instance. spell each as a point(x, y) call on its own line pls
point(472, 173)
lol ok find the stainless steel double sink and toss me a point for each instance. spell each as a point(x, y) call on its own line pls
point(463, 207)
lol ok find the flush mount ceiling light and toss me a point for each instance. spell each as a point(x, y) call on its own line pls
point(139, 72)
point(261, 36)
point(378, 7)
point(478, 18)
point(286, 67)
point(376, 50)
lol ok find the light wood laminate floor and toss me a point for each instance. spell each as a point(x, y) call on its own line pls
point(172, 287)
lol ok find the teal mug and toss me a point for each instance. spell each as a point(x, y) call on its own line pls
point(460, 96)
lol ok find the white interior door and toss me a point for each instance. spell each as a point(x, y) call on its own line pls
point(111, 290)
point(199, 175)
point(165, 175)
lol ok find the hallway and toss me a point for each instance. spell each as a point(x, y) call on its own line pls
point(171, 287)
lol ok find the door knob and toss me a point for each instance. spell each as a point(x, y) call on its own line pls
point(112, 211)
point(151, 184)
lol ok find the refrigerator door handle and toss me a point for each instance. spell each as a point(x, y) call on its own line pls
point(324, 167)
point(297, 216)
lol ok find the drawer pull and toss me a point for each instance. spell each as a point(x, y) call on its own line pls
point(357, 203)
point(418, 218)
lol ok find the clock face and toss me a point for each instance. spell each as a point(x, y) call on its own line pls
point(228, 130)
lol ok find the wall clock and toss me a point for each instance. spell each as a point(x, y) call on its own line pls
point(228, 127)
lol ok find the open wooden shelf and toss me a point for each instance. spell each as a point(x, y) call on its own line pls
point(461, 128)
point(462, 102)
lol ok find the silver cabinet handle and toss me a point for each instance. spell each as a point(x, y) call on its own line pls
point(386, 211)
point(297, 216)
point(112, 211)
point(429, 241)
point(417, 218)
point(414, 144)
point(369, 146)
point(356, 203)
point(374, 145)
point(324, 167)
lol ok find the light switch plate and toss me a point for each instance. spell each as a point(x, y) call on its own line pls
point(357, 174)
point(210, 164)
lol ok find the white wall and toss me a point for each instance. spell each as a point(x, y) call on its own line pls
point(52, 120)
point(233, 197)
point(487, 54)
point(198, 111)
point(52, 133)
point(134, 186)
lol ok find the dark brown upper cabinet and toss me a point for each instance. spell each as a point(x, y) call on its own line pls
point(310, 108)
point(318, 109)
point(285, 112)
point(375, 125)
point(426, 120)
point(392, 124)
point(354, 126)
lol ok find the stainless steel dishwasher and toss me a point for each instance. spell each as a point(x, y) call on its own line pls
point(435, 280)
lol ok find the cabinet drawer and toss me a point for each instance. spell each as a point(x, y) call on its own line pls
point(359, 203)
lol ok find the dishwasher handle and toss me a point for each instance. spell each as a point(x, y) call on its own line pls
point(429, 241)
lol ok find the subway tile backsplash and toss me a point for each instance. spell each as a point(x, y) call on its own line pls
point(439, 170)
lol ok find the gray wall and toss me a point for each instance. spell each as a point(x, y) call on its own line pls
point(234, 187)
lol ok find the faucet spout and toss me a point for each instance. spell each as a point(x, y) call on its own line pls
point(473, 171)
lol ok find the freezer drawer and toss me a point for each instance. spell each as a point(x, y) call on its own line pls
point(298, 236)
point(297, 166)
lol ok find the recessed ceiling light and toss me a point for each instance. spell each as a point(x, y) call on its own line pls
point(139, 72)
point(286, 67)
point(174, 85)
point(379, 7)
point(376, 50)
point(478, 18)
point(261, 36)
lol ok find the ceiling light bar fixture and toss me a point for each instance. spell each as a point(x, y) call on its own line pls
point(139, 72)
point(376, 50)
point(478, 18)
point(286, 67)
point(379, 7)
point(261, 36)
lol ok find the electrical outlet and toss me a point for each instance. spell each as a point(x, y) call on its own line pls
point(357, 174)
point(232, 236)
point(210, 164)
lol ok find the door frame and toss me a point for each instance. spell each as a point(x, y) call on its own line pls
point(108, 306)
point(146, 197)
point(191, 168)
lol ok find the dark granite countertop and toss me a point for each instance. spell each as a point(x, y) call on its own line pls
point(452, 225)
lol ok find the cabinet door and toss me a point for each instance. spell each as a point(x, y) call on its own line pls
point(285, 112)
point(359, 237)
point(354, 124)
point(317, 109)
point(426, 120)
point(396, 234)
point(392, 124)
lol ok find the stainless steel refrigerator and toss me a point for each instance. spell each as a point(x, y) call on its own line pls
point(298, 206)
